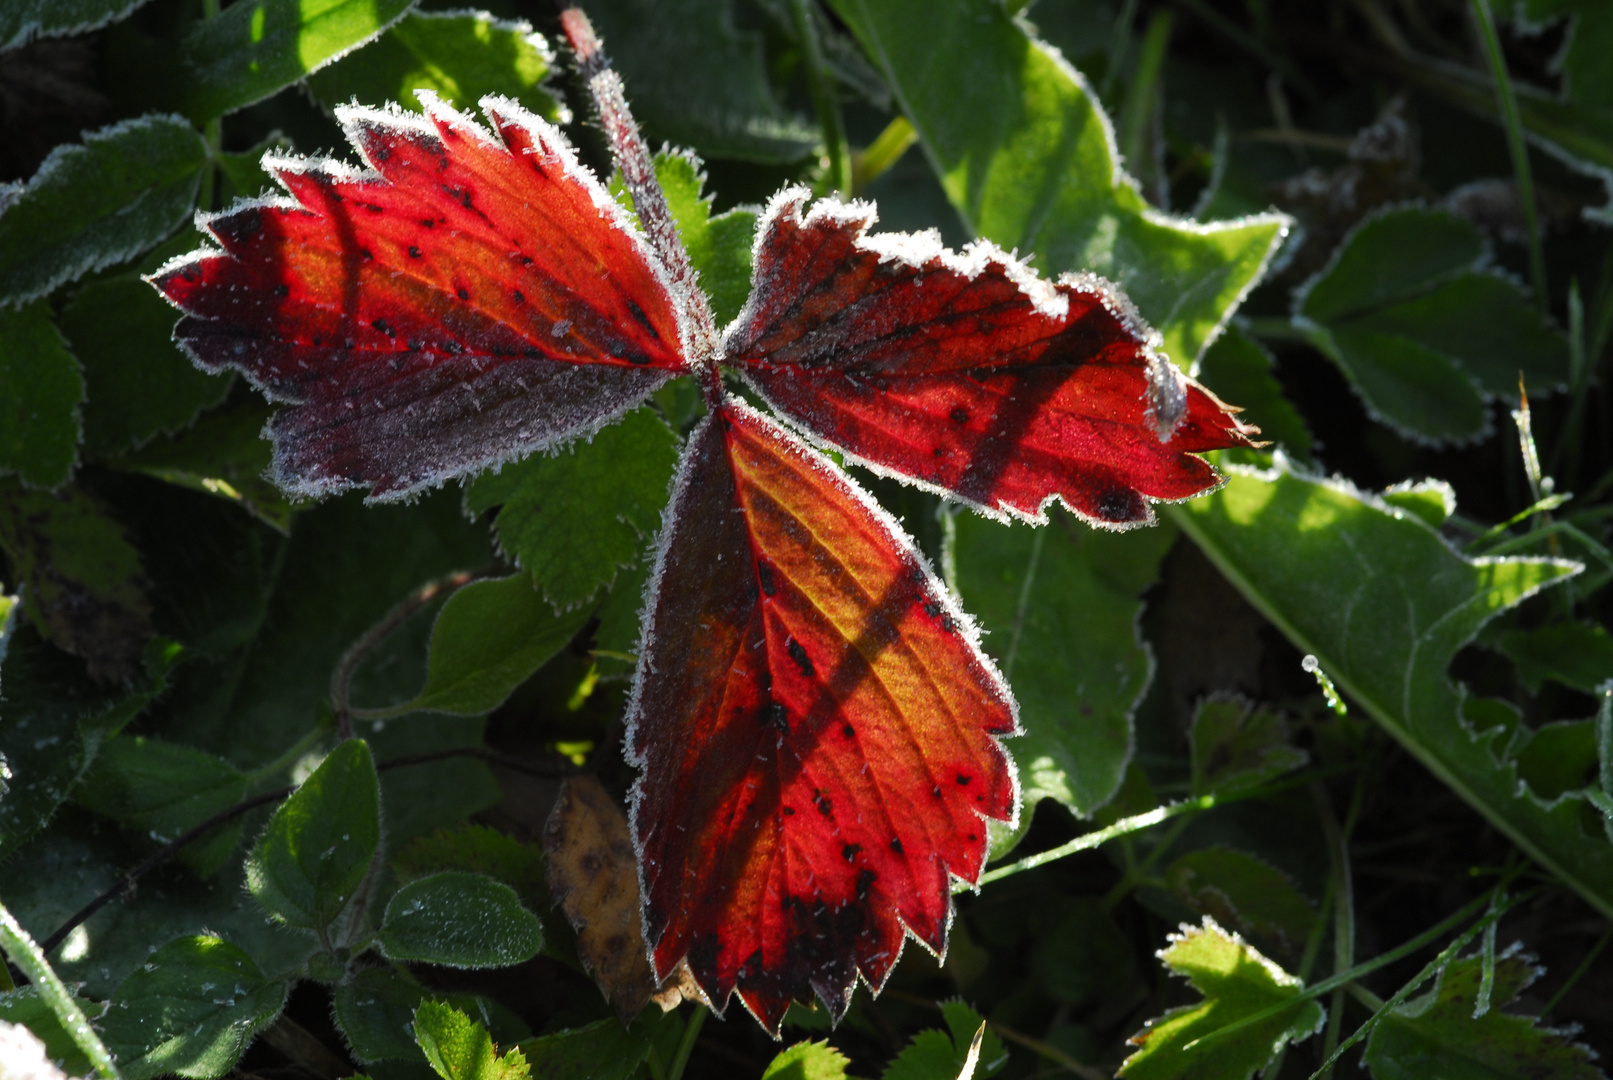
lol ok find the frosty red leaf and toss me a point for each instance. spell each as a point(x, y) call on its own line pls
point(471, 299)
point(816, 724)
point(966, 372)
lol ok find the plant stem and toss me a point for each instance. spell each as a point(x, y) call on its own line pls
point(691, 1032)
point(1584, 966)
point(30, 960)
point(825, 98)
point(1119, 46)
point(1142, 105)
point(1507, 99)
point(882, 153)
point(1343, 892)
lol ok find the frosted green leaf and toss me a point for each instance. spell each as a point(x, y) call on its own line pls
point(1238, 889)
point(1575, 654)
point(1238, 369)
point(1422, 330)
point(598, 1051)
point(1395, 606)
point(1236, 745)
point(41, 389)
point(192, 1009)
point(1028, 159)
point(943, 1055)
point(319, 844)
point(1438, 1035)
point(459, 1048)
point(460, 920)
point(23, 20)
point(460, 55)
point(1236, 982)
point(162, 789)
point(99, 202)
point(572, 521)
point(1060, 607)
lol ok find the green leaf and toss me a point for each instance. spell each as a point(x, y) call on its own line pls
point(1238, 369)
point(490, 637)
point(23, 20)
point(375, 1012)
point(1060, 607)
point(80, 576)
point(1583, 61)
point(1384, 619)
point(719, 247)
point(1238, 746)
point(1438, 1034)
point(162, 789)
point(461, 1049)
point(1236, 982)
point(1431, 501)
point(1557, 757)
point(460, 920)
point(938, 1055)
point(223, 454)
point(320, 842)
point(20, 950)
point(697, 81)
point(573, 520)
point(1237, 889)
point(27, 1006)
point(56, 722)
point(1424, 333)
point(94, 204)
point(603, 1050)
point(244, 174)
point(1028, 159)
point(461, 55)
point(40, 393)
point(137, 383)
point(480, 850)
point(1083, 957)
point(808, 1061)
point(1575, 654)
point(192, 1010)
point(258, 47)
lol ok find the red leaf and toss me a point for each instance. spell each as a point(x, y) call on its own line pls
point(816, 724)
point(466, 300)
point(967, 373)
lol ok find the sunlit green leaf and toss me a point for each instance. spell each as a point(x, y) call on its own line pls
point(1028, 159)
point(1236, 982)
point(97, 203)
point(1384, 618)
point(192, 1010)
point(258, 47)
point(940, 1055)
point(808, 1061)
point(320, 842)
point(1060, 606)
point(461, 1049)
point(461, 55)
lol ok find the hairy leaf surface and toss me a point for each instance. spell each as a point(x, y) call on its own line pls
point(473, 298)
point(815, 723)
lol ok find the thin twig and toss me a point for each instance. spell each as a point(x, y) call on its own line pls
point(127, 882)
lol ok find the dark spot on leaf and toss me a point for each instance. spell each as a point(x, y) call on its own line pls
point(414, 252)
point(1118, 504)
point(520, 297)
point(896, 844)
point(825, 807)
point(964, 778)
point(798, 654)
point(643, 319)
point(430, 223)
point(778, 716)
point(936, 791)
point(464, 294)
point(933, 608)
point(381, 325)
point(849, 852)
point(865, 882)
point(959, 416)
point(788, 811)
point(282, 291)
point(847, 730)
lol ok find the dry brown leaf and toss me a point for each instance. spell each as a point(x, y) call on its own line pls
point(593, 876)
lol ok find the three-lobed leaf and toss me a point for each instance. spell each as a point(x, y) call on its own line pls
point(1236, 982)
point(318, 846)
point(461, 920)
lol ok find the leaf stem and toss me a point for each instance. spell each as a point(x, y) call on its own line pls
point(1584, 966)
point(1142, 107)
point(882, 153)
point(825, 98)
point(1507, 100)
point(691, 1032)
point(30, 960)
point(1343, 908)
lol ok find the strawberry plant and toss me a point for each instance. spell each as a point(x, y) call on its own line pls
point(1108, 492)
